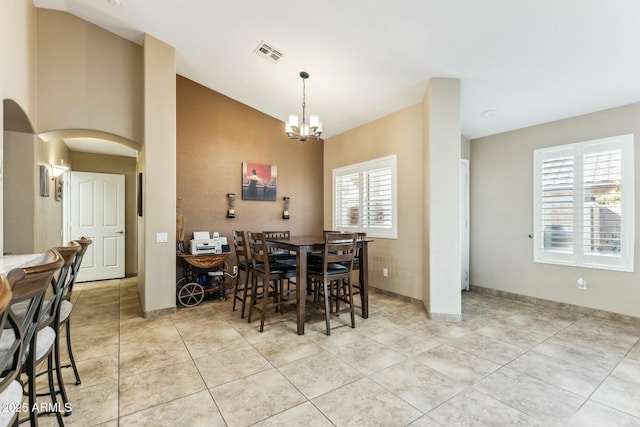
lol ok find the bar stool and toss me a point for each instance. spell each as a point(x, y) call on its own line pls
point(10, 363)
point(335, 275)
point(243, 261)
point(66, 306)
point(271, 273)
point(29, 285)
point(62, 284)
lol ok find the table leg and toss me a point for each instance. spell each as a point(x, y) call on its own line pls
point(364, 279)
point(301, 286)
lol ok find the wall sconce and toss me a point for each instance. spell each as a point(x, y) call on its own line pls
point(231, 202)
point(57, 170)
point(285, 212)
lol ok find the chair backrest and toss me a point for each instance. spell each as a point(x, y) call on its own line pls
point(241, 248)
point(258, 250)
point(28, 285)
point(10, 362)
point(339, 248)
point(63, 281)
point(284, 234)
point(84, 243)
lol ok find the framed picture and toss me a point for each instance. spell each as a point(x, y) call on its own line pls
point(259, 182)
point(44, 181)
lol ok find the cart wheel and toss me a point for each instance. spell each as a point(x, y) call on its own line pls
point(190, 294)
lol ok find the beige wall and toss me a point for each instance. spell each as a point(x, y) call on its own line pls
point(159, 176)
point(101, 163)
point(442, 164)
point(88, 78)
point(215, 135)
point(502, 215)
point(401, 134)
point(17, 66)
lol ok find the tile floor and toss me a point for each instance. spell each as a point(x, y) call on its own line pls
point(507, 364)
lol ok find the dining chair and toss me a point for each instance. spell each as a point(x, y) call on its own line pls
point(271, 274)
point(334, 275)
point(276, 254)
point(10, 363)
point(62, 284)
point(243, 261)
point(28, 286)
point(66, 306)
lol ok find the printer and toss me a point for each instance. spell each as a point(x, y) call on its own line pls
point(203, 244)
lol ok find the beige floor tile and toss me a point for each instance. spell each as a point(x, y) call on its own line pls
point(302, 415)
point(142, 391)
point(230, 365)
point(457, 363)
point(367, 356)
point(365, 403)
point(419, 385)
point(287, 348)
point(255, 398)
point(622, 394)
point(408, 342)
point(319, 374)
point(593, 414)
point(533, 397)
point(568, 376)
point(488, 348)
point(194, 410)
point(208, 343)
point(472, 408)
point(149, 357)
point(92, 405)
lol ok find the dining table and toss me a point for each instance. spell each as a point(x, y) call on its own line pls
point(302, 246)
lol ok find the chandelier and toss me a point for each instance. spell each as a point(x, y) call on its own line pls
point(303, 131)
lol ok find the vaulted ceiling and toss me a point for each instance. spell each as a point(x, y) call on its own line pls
point(520, 62)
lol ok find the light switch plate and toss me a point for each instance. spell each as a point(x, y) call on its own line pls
point(162, 238)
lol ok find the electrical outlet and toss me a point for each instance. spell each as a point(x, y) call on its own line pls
point(385, 272)
point(582, 284)
point(235, 270)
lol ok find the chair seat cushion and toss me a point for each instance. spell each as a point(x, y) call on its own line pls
point(65, 310)
point(11, 398)
point(275, 268)
point(44, 342)
point(333, 268)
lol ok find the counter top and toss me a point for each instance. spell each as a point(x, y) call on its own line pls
point(9, 262)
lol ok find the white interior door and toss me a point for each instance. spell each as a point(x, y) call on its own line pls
point(464, 222)
point(97, 212)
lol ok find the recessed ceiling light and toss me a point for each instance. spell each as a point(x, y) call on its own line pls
point(115, 2)
point(488, 114)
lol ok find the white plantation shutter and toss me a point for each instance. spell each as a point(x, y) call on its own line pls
point(584, 204)
point(364, 197)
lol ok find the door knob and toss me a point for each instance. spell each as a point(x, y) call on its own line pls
point(120, 232)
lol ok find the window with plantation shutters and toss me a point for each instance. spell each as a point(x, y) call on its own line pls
point(584, 204)
point(364, 198)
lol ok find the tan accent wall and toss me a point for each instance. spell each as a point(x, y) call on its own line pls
point(401, 134)
point(215, 135)
point(101, 163)
point(88, 78)
point(502, 215)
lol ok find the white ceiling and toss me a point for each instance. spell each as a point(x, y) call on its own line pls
point(531, 61)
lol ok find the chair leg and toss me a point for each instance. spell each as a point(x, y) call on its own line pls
point(235, 291)
point(265, 296)
point(254, 291)
point(52, 390)
point(31, 387)
point(248, 279)
point(70, 351)
point(58, 367)
point(327, 306)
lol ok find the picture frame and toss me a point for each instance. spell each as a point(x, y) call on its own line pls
point(259, 182)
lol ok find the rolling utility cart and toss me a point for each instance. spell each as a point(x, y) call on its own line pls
point(204, 274)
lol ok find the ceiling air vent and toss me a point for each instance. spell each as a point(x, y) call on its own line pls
point(268, 52)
